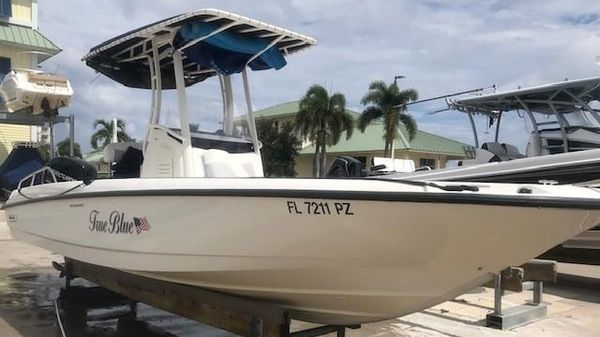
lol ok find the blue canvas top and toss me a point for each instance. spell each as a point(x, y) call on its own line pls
point(212, 42)
point(228, 52)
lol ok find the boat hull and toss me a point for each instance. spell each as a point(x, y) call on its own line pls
point(24, 89)
point(330, 260)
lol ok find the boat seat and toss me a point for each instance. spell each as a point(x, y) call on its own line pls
point(502, 151)
point(395, 165)
point(219, 163)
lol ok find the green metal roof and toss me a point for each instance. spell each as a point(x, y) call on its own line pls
point(279, 110)
point(285, 109)
point(372, 140)
point(29, 38)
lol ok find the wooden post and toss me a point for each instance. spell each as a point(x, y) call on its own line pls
point(231, 313)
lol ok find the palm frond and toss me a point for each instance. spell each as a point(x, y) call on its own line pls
point(99, 135)
point(376, 93)
point(348, 125)
point(368, 115)
point(404, 97)
point(103, 123)
point(337, 103)
point(410, 123)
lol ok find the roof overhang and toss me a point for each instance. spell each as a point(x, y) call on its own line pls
point(29, 40)
point(560, 97)
point(125, 58)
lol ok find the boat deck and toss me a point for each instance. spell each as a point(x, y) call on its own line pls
point(28, 287)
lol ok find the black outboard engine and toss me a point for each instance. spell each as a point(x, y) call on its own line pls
point(350, 167)
point(345, 167)
point(129, 164)
point(75, 168)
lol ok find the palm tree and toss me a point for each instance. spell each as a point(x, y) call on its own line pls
point(104, 134)
point(322, 119)
point(387, 102)
point(64, 148)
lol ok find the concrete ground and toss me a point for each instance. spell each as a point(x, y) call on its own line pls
point(28, 288)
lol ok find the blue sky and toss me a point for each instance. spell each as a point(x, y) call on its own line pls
point(440, 46)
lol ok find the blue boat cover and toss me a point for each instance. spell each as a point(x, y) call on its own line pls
point(20, 163)
point(228, 52)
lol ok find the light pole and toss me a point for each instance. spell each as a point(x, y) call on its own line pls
point(397, 77)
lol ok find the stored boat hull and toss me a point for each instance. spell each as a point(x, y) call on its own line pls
point(564, 168)
point(25, 88)
point(344, 261)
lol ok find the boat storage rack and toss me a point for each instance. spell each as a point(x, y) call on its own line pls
point(241, 316)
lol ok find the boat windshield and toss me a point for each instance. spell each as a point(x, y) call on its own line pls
point(582, 118)
point(577, 118)
point(207, 116)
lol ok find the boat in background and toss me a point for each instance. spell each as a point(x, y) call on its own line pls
point(561, 115)
point(564, 168)
point(33, 91)
point(565, 125)
point(563, 148)
point(332, 251)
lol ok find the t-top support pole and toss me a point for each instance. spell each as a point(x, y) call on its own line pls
point(227, 105)
point(71, 135)
point(156, 74)
point(250, 114)
point(473, 128)
point(497, 136)
point(561, 124)
point(536, 130)
point(188, 167)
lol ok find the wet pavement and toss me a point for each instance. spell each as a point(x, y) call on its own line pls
point(27, 306)
point(27, 309)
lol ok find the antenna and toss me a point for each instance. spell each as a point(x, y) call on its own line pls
point(446, 96)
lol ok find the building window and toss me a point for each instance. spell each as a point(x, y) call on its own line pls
point(4, 69)
point(5, 8)
point(427, 162)
point(4, 66)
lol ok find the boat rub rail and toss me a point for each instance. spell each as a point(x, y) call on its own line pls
point(526, 200)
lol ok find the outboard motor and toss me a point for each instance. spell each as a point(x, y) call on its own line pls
point(74, 168)
point(129, 164)
point(345, 167)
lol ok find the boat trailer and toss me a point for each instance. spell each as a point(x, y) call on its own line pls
point(238, 315)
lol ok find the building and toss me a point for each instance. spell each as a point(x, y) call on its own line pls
point(21, 46)
point(426, 149)
point(96, 159)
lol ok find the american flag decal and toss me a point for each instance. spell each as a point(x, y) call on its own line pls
point(141, 225)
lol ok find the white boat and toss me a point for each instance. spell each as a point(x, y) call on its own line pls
point(564, 146)
point(561, 115)
point(331, 250)
point(35, 91)
point(562, 168)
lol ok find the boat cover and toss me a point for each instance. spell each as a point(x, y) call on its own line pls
point(21, 162)
point(212, 42)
